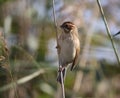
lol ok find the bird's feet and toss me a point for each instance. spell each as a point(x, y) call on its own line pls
point(60, 68)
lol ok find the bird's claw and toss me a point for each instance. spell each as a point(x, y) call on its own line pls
point(60, 69)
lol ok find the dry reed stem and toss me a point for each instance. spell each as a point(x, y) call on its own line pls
point(55, 22)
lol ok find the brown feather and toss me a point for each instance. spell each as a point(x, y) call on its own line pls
point(75, 61)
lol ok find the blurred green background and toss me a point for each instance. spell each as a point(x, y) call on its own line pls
point(28, 55)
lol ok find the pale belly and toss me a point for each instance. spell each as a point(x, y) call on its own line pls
point(67, 52)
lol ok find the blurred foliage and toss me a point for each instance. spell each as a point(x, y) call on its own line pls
point(42, 47)
point(15, 26)
point(4, 63)
point(48, 4)
point(4, 1)
point(3, 52)
point(31, 46)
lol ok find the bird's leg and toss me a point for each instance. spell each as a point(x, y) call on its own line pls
point(60, 69)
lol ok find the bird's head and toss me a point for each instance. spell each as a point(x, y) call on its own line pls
point(68, 27)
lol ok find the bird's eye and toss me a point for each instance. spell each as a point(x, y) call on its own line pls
point(66, 26)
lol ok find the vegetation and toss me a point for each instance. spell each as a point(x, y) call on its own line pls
point(28, 57)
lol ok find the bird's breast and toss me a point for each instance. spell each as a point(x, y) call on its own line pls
point(68, 50)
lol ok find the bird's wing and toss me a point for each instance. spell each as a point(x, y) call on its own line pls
point(76, 58)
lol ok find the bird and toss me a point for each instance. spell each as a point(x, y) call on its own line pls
point(68, 48)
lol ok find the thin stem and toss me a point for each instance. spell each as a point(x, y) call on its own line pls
point(108, 31)
point(22, 80)
point(55, 22)
point(62, 85)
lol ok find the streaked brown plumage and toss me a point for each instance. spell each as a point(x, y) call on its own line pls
point(68, 47)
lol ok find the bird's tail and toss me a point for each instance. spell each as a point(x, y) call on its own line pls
point(59, 76)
